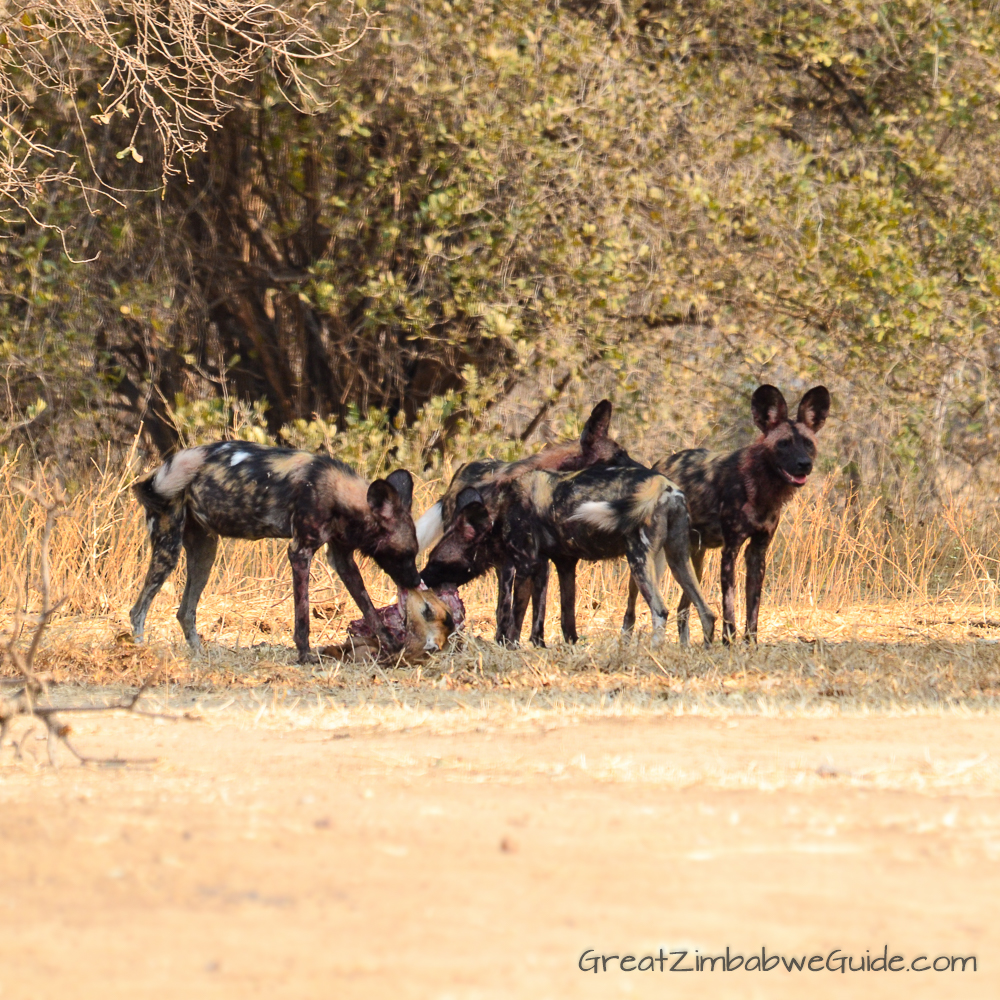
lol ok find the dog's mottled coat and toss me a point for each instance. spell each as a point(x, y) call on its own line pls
point(738, 497)
point(595, 514)
point(235, 489)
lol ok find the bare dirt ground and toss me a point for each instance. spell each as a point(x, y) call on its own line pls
point(297, 848)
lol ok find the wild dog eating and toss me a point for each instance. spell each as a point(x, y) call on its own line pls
point(600, 513)
point(235, 489)
point(739, 496)
point(594, 448)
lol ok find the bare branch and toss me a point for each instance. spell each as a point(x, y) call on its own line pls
point(24, 702)
point(179, 66)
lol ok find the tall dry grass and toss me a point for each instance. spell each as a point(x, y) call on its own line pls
point(826, 555)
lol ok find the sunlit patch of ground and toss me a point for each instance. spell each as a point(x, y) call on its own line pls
point(893, 658)
point(290, 844)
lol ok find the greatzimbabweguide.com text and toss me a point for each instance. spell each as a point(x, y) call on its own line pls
point(834, 961)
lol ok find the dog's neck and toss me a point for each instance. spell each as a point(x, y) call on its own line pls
point(767, 491)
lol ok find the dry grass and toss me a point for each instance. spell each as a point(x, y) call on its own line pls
point(860, 611)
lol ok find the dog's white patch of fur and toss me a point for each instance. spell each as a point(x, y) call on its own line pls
point(151, 525)
point(238, 457)
point(643, 536)
point(430, 528)
point(174, 475)
point(598, 514)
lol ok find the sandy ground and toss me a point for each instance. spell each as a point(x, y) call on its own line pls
point(298, 856)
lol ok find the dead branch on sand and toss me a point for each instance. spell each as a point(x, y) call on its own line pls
point(30, 698)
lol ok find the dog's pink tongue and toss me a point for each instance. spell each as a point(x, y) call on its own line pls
point(799, 480)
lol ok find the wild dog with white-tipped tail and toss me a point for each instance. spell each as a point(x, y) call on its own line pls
point(234, 489)
point(600, 513)
point(595, 448)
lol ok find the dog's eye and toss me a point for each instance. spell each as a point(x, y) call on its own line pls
point(784, 443)
point(428, 613)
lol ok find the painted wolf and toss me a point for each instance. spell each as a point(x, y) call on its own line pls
point(235, 489)
point(739, 496)
point(594, 448)
point(599, 513)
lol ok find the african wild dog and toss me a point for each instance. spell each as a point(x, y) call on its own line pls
point(739, 496)
point(594, 448)
point(234, 489)
point(600, 513)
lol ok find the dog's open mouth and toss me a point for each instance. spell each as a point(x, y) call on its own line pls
point(794, 480)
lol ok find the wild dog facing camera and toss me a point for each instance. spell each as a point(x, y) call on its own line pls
point(791, 445)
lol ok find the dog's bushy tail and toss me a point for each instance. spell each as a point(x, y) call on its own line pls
point(430, 528)
point(145, 491)
point(630, 511)
point(649, 495)
point(160, 489)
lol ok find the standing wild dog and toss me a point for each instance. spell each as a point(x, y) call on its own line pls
point(739, 496)
point(594, 448)
point(234, 489)
point(595, 514)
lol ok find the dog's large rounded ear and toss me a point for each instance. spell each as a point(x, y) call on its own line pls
point(383, 499)
point(472, 520)
point(597, 425)
point(814, 407)
point(768, 407)
point(402, 482)
point(469, 495)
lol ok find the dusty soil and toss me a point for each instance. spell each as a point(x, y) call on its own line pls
point(294, 855)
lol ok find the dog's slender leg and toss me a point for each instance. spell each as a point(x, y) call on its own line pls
point(300, 556)
point(165, 536)
point(756, 558)
point(521, 610)
point(200, 547)
point(678, 552)
point(523, 590)
point(642, 563)
point(538, 598)
point(684, 607)
point(628, 622)
point(507, 579)
point(566, 568)
point(347, 570)
point(728, 573)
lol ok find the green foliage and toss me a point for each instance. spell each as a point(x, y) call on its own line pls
point(513, 208)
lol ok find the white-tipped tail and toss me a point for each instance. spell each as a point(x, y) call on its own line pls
point(598, 514)
point(430, 528)
point(177, 471)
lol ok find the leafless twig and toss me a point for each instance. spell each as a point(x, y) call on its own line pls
point(31, 697)
point(172, 67)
